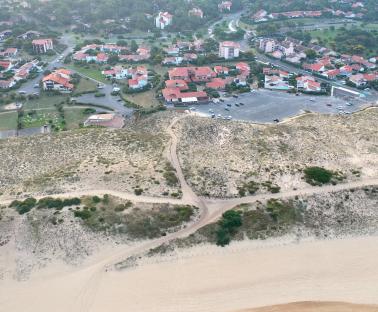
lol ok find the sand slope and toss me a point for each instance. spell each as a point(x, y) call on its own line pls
point(317, 307)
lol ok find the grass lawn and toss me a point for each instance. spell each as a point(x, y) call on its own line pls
point(144, 99)
point(44, 101)
point(8, 120)
point(91, 71)
point(74, 116)
point(85, 86)
point(370, 26)
point(324, 34)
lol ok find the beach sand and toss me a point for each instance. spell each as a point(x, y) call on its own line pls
point(208, 278)
point(317, 307)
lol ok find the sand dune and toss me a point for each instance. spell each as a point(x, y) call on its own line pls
point(317, 307)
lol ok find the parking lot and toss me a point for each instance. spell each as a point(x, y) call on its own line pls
point(265, 106)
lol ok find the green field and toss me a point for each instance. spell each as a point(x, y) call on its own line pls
point(324, 34)
point(44, 101)
point(8, 121)
point(85, 86)
point(91, 71)
point(74, 116)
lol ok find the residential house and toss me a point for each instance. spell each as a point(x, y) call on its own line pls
point(175, 96)
point(260, 16)
point(221, 70)
point(218, 84)
point(101, 58)
point(180, 73)
point(163, 20)
point(9, 52)
point(172, 50)
point(225, 6)
point(190, 57)
point(276, 83)
point(180, 84)
point(358, 80)
point(202, 74)
point(346, 70)
point(311, 86)
point(116, 72)
point(332, 73)
point(173, 60)
point(196, 12)
point(24, 71)
point(316, 68)
point(7, 84)
point(139, 78)
point(5, 65)
point(301, 81)
point(29, 35)
point(59, 80)
point(5, 34)
point(243, 68)
point(195, 74)
point(278, 54)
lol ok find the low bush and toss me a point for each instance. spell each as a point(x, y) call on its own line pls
point(317, 175)
point(227, 227)
point(57, 203)
point(24, 206)
point(83, 214)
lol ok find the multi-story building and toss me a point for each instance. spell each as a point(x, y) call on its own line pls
point(229, 49)
point(42, 45)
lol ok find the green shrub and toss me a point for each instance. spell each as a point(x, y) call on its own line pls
point(96, 199)
point(170, 178)
point(57, 203)
point(227, 226)
point(24, 206)
point(138, 191)
point(82, 214)
point(317, 175)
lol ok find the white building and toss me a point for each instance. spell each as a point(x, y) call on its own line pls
point(163, 20)
point(229, 49)
point(267, 45)
point(42, 45)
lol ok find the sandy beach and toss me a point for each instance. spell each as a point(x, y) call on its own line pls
point(242, 276)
